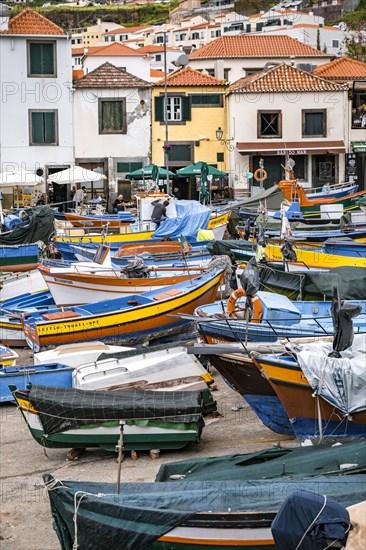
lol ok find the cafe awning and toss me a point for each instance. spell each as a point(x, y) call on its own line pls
point(291, 147)
point(359, 146)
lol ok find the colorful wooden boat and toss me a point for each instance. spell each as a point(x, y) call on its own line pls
point(315, 258)
point(31, 281)
point(51, 374)
point(71, 286)
point(312, 207)
point(118, 220)
point(20, 257)
point(129, 320)
point(11, 331)
point(275, 316)
point(75, 355)
point(8, 357)
point(290, 188)
point(154, 419)
point(307, 412)
point(239, 372)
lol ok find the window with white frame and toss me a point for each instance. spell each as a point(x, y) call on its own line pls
point(174, 108)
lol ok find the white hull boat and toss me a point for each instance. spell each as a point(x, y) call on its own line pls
point(74, 355)
point(159, 367)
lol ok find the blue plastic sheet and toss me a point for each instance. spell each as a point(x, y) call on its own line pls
point(191, 216)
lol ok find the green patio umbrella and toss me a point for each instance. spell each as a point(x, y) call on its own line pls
point(195, 170)
point(149, 172)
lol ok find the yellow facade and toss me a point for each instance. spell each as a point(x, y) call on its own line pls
point(199, 131)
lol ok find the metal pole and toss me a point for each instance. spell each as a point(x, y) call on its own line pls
point(119, 449)
point(166, 152)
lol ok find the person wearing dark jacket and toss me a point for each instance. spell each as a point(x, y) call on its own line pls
point(159, 212)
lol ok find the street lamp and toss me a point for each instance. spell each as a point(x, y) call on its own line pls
point(227, 142)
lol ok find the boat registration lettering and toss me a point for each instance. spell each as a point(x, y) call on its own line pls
point(65, 281)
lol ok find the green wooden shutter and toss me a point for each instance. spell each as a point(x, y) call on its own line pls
point(186, 108)
point(37, 128)
point(159, 108)
point(41, 58)
point(49, 128)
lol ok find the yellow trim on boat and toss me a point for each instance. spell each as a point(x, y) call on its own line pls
point(276, 372)
point(26, 406)
point(119, 237)
point(216, 542)
point(207, 378)
point(107, 319)
point(315, 258)
point(219, 220)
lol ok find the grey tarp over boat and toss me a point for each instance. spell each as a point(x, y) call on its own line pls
point(143, 512)
point(272, 463)
point(316, 285)
point(271, 198)
point(39, 228)
point(62, 409)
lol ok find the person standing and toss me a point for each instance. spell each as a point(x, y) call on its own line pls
point(79, 196)
point(159, 212)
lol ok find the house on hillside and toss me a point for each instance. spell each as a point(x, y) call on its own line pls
point(233, 57)
point(36, 108)
point(195, 110)
point(353, 73)
point(112, 119)
point(285, 112)
point(121, 56)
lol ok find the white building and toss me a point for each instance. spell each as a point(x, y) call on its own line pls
point(330, 39)
point(36, 108)
point(122, 56)
point(232, 57)
point(112, 115)
point(285, 112)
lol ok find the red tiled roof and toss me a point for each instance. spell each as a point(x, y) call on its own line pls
point(284, 78)
point(29, 21)
point(109, 76)
point(244, 46)
point(343, 68)
point(116, 48)
point(126, 30)
point(190, 77)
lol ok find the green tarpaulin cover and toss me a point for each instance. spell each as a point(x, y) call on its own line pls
point(39, 228)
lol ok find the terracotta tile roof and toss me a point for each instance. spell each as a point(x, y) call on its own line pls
point(343, 68)
point(284, 78)
point(126, 30)
point(190, 77)
point(29, 21)
point(116, 48)
point(109, 76)
point(204, 26)
point(156, 49)
point(77, 51)
point(244, 46)
point(310, 26)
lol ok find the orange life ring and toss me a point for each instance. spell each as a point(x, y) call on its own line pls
point(257, 305)
point(260, 171)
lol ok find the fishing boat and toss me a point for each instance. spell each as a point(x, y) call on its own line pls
point(315, 411)
point(132, 319)
point(30, 281)
point(11, 331)
point(290, 188)
point(345, 247)
point(153, 366)
point(180, 515)
point(314, 206)
point(20, 257)
point(75, 355)
point(75, 285)
point(50, 374)
point(274, 316)
point(100, 220)
point(8, 357)
point(241, 375)
point(71, 418)
point(314, 258)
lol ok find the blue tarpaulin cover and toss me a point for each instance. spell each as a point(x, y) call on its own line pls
point(313, 520)
point(191, 216)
